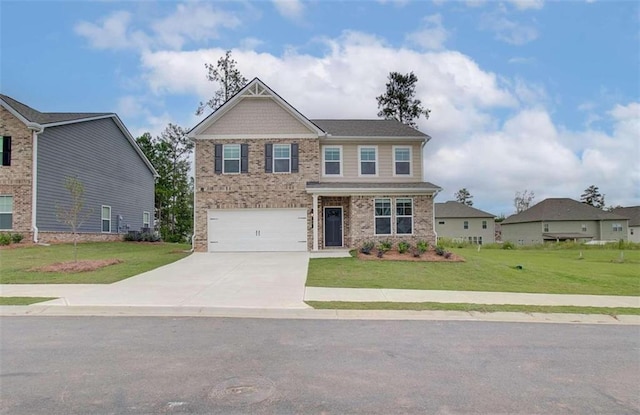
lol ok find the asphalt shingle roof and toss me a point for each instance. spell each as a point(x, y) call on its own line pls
point(632, 213)
point(368, 128)
point(358, 185)
point(560, 209)
point(452, 209)
point(48, 117)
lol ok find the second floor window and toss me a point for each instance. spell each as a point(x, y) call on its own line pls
point(5, 150)
point(368, 161)
point(617, 227)
point(281, 158)
point(402, 161)
point(332, 161)
point(465, 225)
point(546, 227)
point(231, 158)
point(484, 224)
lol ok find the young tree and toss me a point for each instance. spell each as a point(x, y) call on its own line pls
point(228, 77)
point(398, 102)
point(463, 196)
point(593, 197)
point(522, 201)
point(169, 153)
point(74, 214)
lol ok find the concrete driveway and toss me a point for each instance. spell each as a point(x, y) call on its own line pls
point(234, 280)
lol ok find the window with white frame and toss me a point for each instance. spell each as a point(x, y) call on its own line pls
point(6, 212)
point(584, 227)
point(368, 160)
point(106, 219)
point(382, 216)
point(332, 160)
point(282, 158)
point(146, 219)
point(404, 216)
point(617, 227)
point(402, 161)
point(546, 227)
point(484, 224)
point(465, 225)
point(231, 158)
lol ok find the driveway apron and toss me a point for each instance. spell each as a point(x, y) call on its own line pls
point(234, 280)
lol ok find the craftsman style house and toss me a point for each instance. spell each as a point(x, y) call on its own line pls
point(269, 179)
point(563, 219)
point(464, 223)
point(40, 151)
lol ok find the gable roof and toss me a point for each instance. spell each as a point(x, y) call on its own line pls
point(632, 213)
point(369, 128)
point(46, 118)
point(29, 116)
point(561, 209)
point(453, 209)
point(255, 88)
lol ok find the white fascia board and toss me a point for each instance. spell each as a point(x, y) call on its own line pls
point(78, 120)
point(15, 113)
point(252, 136)
point(365, 192)
point(132, 140)
point(342, 139)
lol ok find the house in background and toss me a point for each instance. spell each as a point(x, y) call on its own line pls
point(269, 179)
point(563, 219)
point(41, 150)
point(460, 222)
point(633, 214)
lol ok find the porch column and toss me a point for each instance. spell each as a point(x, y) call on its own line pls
point(315, 222)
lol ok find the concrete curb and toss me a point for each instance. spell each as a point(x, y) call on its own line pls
point(312, 314)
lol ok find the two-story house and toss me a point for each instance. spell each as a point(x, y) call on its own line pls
point(40, 151)
point(460, 222)
point(269, 179)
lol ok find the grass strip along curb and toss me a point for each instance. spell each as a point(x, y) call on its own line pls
point(483, 308)
point(23, 300)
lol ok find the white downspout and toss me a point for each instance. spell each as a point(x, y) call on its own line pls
point(315, 222)
point(37, 129)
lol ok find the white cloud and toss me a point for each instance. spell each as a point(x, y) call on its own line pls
point(527, 4)
point(112, 32)
point(433, 34)
point(521, 60)
point(290, 9)
point(506, 30)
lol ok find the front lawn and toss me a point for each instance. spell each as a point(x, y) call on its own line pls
point(599, 272)
point(136, 258)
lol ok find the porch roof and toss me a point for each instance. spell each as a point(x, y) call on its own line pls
point(358, 188)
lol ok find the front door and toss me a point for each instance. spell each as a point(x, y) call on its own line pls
point(333, 226)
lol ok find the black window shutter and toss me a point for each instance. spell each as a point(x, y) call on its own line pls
point(294, 157)
point(268, 158)
point(218, 159)
point(244, 158)
point(6, 151)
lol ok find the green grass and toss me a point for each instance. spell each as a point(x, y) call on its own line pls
point(23, 300)
point(483, 308)
point(136, 257)
point(543, 271)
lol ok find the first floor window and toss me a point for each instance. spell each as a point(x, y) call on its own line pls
point(617, 227)
point(281, 158)
point(6, 212)
point(146, 219)
point(231, 158)
point(383, 216)
point(5, 150)
point(404, 216)
point(106, 219)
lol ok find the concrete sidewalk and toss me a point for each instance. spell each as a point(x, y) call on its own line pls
point(472, 297)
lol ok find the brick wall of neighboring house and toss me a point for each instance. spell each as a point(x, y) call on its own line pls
point(255, 189)
point(66, 237)
point(362, 221)
point(15, 180)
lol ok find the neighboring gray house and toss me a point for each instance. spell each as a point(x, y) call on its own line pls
point(563, 219)
point(41, 150)
point(461, 222)
point(633, 214)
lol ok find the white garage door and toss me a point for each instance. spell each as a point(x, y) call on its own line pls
point(257, 230)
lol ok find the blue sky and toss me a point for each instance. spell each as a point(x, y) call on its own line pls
point(534, 95)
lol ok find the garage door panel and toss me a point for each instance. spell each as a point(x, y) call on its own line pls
point(257, 230)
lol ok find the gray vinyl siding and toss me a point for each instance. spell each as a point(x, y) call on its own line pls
point(454, 228)
point(102, 158)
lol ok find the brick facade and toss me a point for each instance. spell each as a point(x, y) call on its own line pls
point(16, 179)
point(255, 189)
point(67, 237)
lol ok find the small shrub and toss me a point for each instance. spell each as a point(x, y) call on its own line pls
point(416, 253)
point(380, 253)
point(5, 238)
point(16, 238)
point(367, 247)
point(447, 255)
point(508, 245)
point(440, 251)
point(422, 246)
point(403, 247)
point(385, 246)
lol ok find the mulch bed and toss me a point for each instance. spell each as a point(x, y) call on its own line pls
point(394, 255)
point(72, 267)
